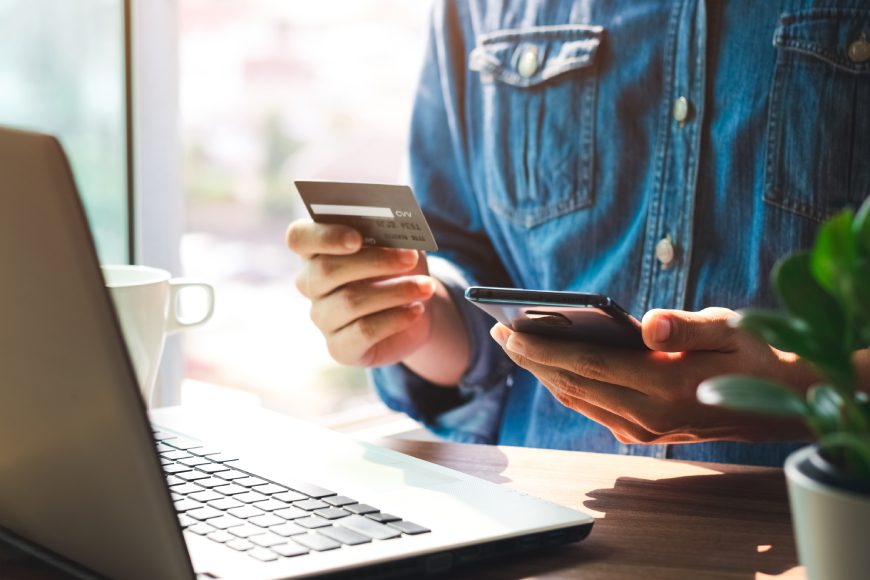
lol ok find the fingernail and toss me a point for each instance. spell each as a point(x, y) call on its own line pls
point(426, 285)
point(498, 334)
point(662, 329)
point(416, 308)
point(350, 240)
point(408, 257)
point(516, 345)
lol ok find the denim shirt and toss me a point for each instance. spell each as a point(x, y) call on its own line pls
point(556, 143)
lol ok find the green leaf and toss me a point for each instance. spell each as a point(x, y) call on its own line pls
point(861, 287)
point(834, 255)
point(825, 404)
point(838, 370)
point(861, 228)
point(745, 393)
point(784, 333)
point(805, 298)
point(858, 415)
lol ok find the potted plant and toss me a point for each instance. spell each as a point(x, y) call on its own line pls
point(826, 295)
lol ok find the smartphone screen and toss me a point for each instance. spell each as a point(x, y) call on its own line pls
point(577, 316)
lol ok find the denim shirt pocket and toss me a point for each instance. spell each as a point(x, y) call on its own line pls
point(818, 144)
point(538, 87)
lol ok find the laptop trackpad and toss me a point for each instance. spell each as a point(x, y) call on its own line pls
point(385, 472)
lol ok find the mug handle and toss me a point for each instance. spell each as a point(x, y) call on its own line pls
point(175, 322)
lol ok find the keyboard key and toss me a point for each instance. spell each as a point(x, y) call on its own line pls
point(310, 489)
point(187, 504)
point(287, 529)
point(193, 461)
point(251, 497)
point(182, 443)
point(339, 500)
point(187, 488)
point(314, 522)
point(270, 488)
point(271, 505)
point(223, 457)
point(201, 529)
point(176, 496)
point(232, 474)
point(205, 513)
point(192, 475)
point(172, 480)
point(317, 542)
point(289, 550)
point(266, 540)
point(383, 518)
point(225, 522)
point(361, 509)
point(175, 468)
point(202, 451)
point(211, 482)
point(332, 513)
point(370, 528)
point(250, 481)
point(175, 454)
point(246, 512)
point(240, 544)
point(231, 489)
point(221, 537)
point(344, 535)
point(225, 503)
point(245, 531)
point(162, 435)
point(292, 513)
point(310, 504)
point(289, 496)
point(186, 521)
point(262, 554)
point(166, 461)
point(205, 495)
point(409, 528)
point(213, 467)
point(266, 520)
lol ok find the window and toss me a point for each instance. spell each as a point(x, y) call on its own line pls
point(63, 72)
point(273, 91)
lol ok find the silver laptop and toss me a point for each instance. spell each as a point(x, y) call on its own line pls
point(89, 481)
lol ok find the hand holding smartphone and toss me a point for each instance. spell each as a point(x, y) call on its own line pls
point(575, 316)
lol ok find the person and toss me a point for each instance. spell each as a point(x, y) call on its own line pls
point(664, 153)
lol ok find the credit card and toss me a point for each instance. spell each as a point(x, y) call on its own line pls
point(387, 216)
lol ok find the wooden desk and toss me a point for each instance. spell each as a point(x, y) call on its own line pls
point(655, 518)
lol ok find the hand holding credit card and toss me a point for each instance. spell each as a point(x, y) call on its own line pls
point(386, 215)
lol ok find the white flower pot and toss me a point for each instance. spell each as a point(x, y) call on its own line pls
point(832, 526)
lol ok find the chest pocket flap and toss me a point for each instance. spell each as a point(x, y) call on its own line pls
point(528, 57)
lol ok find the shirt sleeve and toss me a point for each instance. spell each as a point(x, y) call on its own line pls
point(439, 144)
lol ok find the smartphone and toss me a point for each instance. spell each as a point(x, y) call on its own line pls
point(567, 315)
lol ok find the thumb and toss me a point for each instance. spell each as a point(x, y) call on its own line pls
point(679, 331)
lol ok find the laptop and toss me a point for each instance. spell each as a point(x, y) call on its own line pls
point(93, 483)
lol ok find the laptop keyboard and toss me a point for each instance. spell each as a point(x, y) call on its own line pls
point(266, 520)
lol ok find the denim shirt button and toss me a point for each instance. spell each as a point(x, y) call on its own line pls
point(681, 110)
point(665, 251)
point(859, 51)
point(528, 63)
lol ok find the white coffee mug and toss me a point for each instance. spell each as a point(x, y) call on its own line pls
point(146, 301)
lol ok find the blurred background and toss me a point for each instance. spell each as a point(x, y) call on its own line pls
point(186, 122)
point(272, 91)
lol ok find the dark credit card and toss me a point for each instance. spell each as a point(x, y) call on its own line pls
point(386, 215)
